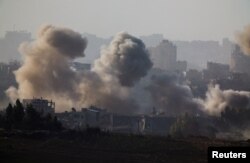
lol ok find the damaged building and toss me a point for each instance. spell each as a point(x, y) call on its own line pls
point(216, 71)
point(41, 105)
point(94, 117)
point(88, 117)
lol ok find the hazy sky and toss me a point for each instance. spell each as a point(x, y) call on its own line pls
point(176, 19)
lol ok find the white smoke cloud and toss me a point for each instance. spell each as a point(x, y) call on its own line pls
point(218, 100)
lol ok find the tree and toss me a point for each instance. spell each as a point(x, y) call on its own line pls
point(184, 126)
point(73, 109)
point(56, 124)
point(1, 121)
point(18, 114)
point(33, 118)
point(18, 118)
point(9, 112)
point(236, 117)
point(9, 117)
point(47, 121)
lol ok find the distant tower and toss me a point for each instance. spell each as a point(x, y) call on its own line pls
point(164, 56)
point(240, 63)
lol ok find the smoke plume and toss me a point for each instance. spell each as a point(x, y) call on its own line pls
point(66, 41)
point(126, 58)
point(218, 100)
point(46, 71)
point(175, 98)
point(172, 97)
point(244, 40)
point(106, 94)
point(119, 67)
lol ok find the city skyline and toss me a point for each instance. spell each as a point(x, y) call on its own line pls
point(176, 20)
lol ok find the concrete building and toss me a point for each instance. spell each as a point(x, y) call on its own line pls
point(72, 120)
point(8, 68)
point(240, 63)
point(152, 40)
point(7, 77)
point(43, 106)
point(158, 125)
point(164, 56)
point(194, 75)
point(198, 53)
point(77, 66)
point(88, 117)
point(128, 124)
point(99, 118)
point(96, 117)
point(216, 71)
point(10, 43)
point(181, 66)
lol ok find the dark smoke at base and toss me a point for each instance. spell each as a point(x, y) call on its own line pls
point(172, 97)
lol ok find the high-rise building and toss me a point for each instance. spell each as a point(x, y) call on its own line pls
point(240, 63)
point(164, 56)
point(10, 43)
point(216, 71)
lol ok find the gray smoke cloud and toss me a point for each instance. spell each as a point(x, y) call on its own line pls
point(217, 100)
point(175, 98)
point(108, 94)
point(119, 67)
point(126, 58)
point(243, 39)
point(66, 41)
point(46, 71)
point(110, 83)
point(172, 97)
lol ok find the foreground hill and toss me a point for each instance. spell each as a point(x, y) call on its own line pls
point(96, 147)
